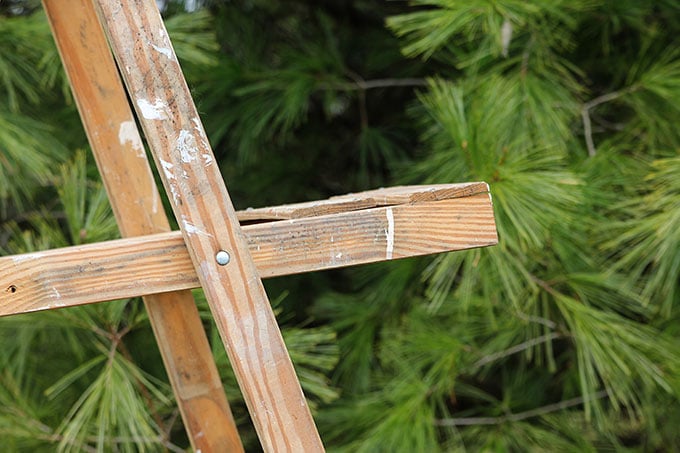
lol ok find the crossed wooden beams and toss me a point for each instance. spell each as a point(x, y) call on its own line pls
point(212, 249)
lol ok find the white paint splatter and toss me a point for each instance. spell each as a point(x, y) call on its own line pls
point(127, 133)
point(389, 233)
point(156, 111)
point(186, 145)
point(167, 169)
point(207, 159)
point(55, 293)
point(204, 270)
point(175, 193)
point(170, 176)
point(197, 125)
point(164, 50)
point(190, 228)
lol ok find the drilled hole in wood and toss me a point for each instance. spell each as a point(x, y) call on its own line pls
point(11, 289)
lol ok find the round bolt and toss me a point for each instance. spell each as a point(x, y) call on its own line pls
point(222, 258)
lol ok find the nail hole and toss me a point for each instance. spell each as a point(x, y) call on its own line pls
point(12, 289)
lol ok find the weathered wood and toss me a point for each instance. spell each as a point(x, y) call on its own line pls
point(122, 162)
point(209, 225)
point(156, 263)
point(364, 200)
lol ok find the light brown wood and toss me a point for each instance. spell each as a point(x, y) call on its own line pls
point(160, 262)
point(136, 203)
point(364, 200)
point(208, 223)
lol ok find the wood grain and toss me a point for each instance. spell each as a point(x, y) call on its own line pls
point(201, 204)
point(121, 159)
point(363, 200)
point(156, 263)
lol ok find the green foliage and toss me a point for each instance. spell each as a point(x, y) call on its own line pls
point(563, 337)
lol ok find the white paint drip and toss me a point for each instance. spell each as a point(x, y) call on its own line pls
point(190, 228)
point(127, 133)
point(198, 126)
point(55, 293)
point(186, 145)
point(175, 193)
point(203, 136)
point(156, 111)
point(167, 169)
point(389, 233)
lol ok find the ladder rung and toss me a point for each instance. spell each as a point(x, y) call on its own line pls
point(158, 263)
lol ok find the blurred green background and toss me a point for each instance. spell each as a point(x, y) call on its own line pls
point(564, 337)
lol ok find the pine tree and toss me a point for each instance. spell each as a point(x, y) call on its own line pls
point(563, 337)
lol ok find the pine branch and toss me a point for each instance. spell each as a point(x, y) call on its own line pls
point(517, 348)
point(364, 85)
point(537, 319)
point(473, 421)
point(585, 114)
point(390, 83)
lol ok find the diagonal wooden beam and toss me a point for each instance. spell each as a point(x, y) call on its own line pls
point(157, 263)
point(118, 150)
point(209, 225)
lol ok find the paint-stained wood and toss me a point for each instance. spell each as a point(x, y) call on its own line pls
point(136, 203)
point(201, 204)
point(156, 263)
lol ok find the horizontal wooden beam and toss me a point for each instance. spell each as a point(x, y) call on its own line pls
point(389, 196)
point(160, 262)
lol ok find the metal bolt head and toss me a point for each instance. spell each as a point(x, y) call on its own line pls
point(222, 258)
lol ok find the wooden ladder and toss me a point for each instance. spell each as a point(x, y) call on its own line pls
point(222, 251)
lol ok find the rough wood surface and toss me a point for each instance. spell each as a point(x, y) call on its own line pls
point(201, 204)
point(364, 200)
point(160, 262)
point(118, 150)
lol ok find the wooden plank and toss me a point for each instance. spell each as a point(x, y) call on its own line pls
point(201, 204)
point(155, 263)
point(118, 150)
point(364, 200)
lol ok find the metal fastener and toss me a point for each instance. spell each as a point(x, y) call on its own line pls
point(222, 258)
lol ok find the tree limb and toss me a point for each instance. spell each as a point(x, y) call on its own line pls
point(585, 113)
point(472, 421)
point(517, 348)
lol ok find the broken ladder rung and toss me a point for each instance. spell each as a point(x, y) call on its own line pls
point(341, 231)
